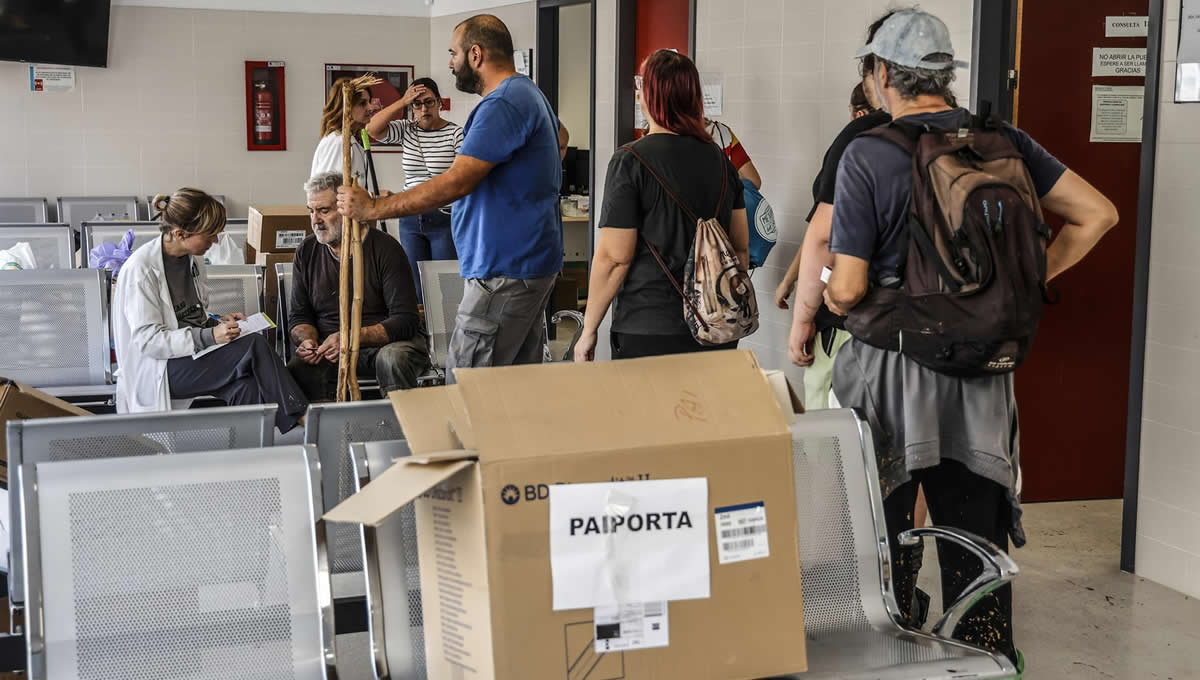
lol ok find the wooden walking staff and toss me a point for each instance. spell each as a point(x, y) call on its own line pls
point(350, 313)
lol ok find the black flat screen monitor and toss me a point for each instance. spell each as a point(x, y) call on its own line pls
point(67, 32)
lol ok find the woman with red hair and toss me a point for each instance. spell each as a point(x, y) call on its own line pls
point(651, 187)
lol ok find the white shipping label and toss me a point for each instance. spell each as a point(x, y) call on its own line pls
point(631, 626)
point(741, 532)
point(621, 542)
point(289, 239)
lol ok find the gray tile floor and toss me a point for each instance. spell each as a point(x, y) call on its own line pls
point(1078, 617)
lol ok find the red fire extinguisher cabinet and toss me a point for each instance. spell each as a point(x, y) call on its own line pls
point(266, 121)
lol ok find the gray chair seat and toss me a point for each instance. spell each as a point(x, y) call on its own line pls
point(879, 655)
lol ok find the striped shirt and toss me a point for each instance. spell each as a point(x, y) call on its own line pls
point(427, 153)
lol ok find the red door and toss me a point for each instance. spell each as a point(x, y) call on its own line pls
point(1073, 391)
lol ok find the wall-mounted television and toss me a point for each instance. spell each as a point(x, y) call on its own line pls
point(69, 32)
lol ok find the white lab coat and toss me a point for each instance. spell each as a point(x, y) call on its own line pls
point(147, 332)
point(328, 158)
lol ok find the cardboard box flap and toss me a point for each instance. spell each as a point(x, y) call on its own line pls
point(441, 457)
point(788, 400)
point(532, 411)
point(12, 387)
point(433, 419)
point(398, 486)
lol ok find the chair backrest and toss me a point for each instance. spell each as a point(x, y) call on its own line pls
point(148, 205)
point(842, 535)
point(235, 288)
point(332, 428)
point(179, 566)
point(52, 440)
point(53, 244)
point(54, 327)
point(442, 290)
point(95, 233)
point(23, 210)
point(75, 210)
point(392, 571)
point(283, 274)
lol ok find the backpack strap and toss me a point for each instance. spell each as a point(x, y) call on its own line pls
point(654, 251)
point(901, 134)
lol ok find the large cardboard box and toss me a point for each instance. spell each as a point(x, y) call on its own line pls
point(499, 461)
point(21, 402)
point(276, 229)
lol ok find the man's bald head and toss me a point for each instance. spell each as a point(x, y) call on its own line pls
point(490, 34)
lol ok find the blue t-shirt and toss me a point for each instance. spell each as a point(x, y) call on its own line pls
point(510, 225)
point(874, 185)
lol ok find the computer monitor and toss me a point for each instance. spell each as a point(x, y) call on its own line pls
point(577, 171)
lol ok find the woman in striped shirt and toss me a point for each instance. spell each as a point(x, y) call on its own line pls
point(429, 144)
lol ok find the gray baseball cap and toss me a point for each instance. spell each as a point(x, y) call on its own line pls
point(908, 37)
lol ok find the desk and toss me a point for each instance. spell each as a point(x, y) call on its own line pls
point(576, 238)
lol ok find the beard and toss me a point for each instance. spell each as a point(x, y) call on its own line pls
point(467, 79)
point(329, 236)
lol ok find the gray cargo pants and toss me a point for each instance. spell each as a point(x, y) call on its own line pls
point(499, 323)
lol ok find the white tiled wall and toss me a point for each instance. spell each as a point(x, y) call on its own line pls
point(1168, 523)
point(521, 19)
point(169, 110)
point(787, 68)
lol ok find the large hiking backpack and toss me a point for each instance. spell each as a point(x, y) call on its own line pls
point(974, 282)
point(719, 303)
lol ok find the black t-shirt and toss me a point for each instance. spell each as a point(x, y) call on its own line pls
point(182, 286)
point(647, 303)
point(389, 295)
point(826, 181)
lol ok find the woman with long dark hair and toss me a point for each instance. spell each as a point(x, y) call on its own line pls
point(640, 217)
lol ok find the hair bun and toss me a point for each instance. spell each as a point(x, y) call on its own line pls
point(159, 205)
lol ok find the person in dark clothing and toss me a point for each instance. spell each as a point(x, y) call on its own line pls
point(392, 345)
point(955, 437)
point(648, 318)
point(163, 331)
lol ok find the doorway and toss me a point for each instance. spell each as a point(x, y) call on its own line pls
point(1073, 391)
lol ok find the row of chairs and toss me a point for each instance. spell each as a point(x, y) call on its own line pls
point(57, 330)
point(54, 244)
point(129, 563)
point(75, 210)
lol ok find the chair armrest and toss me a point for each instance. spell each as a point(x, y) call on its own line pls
point(998, 569)
point(575, 316)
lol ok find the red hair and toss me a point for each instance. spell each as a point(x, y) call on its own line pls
point(671, 90)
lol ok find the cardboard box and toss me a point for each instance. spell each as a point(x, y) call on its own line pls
point(276, 228)
point(21, 402)
point(496, 459)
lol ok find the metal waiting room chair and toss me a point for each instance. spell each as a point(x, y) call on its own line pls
point(53, 244)
point(24, 210)
point(395, 623)
point(206, 565)
point(853, 625)
point(442, 288)
point(95, 233)
point(332, 428)
point(283, 275)
point(75, 210)
point(851, 619)
point(55, 328)
point(235, 288)
point(52, 440)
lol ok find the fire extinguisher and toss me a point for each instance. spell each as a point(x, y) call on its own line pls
point(264, 113)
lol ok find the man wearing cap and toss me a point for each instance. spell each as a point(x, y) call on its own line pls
point(958, 438)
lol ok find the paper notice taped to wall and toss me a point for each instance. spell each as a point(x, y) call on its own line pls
point(1117, 113)
point(44, 78)
point(1119, 61)
point(1126, 27)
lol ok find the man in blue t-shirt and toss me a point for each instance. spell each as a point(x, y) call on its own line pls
point(505, 221)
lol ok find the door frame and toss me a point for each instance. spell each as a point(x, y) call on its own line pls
point(995, 49)
point(1141, 285)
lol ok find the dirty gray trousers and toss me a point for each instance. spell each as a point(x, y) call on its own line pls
point(500, 322)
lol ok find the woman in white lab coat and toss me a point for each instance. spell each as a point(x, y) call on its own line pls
point(160, 322)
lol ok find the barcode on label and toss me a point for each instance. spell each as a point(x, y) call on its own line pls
point(744, 531)
point(738, 545)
